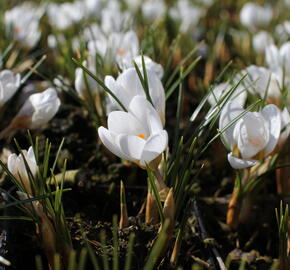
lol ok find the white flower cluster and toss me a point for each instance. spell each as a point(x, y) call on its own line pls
point(252, 136)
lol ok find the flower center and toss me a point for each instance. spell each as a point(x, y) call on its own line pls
point(142, 136)
point(17, 30)
point(121, 52)
point(255, 141)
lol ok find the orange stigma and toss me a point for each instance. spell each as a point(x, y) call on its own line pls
point(121, 52)
point(17, 30)
point(142, 136)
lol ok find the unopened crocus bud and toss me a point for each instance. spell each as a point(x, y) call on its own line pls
point(261, 41)
point(85, 83)
point(37, 110)
point(9, 83)
point(16, 166)
point(40, 108)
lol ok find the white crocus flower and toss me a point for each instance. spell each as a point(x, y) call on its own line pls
point(125, 47)
point(9, 83)
point(279, 59)
point(114, 20)
point(118, 47)
point(16, 166)
point(262, 81)
point(153, 9)
point(220, 90)
point(136, 135)
point(149, 64)
point(23, 23)
point(93, 7)
point(261, 41)
point(188, 14)
point(62, 16)
point(253, 137)
point(254, 16)
point(282, 31)
point(128, 85)
point(93, 32)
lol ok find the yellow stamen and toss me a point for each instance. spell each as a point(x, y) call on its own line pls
point(236, 151)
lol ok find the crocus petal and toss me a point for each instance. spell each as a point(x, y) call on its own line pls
point(146, 114)
point(131, 146)
point(285, 126)
point(285, 56)
point(251, 134)
point(156, 91)
point(222, 89)
point(138, 108)
point(122, 122)
point(9, 83)
point(118, 90)
point(257, 79)
point(153, 120)
point(45, 106)
point(272, 57)
point(109, 140)
point(230, 111)
point(154, 146)
point(150, 65)
point(238, 163)
point(12, 164)
point(272, 116)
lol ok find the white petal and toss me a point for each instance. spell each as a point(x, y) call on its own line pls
point(285, 56)
point(146, 114)
point(217, 92)
point(238, 163)
point(156, 91)
point(150, 64)
point(257, 79)
point(122, 122)
point(129, 85)
point(261, 40)
point(272, 57)
point(273, 117)
point(109, 140)
point(30, 158)
point(252, 134)
point(230, 111)
point(132, 146)
point(153, 120)
point(154, 146)
point(45, 106)
point(285, 126)
point(12, 164)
